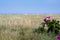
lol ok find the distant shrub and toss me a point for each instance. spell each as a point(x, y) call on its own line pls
point(2, 27)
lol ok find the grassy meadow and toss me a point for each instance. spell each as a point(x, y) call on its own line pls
point(21, 26)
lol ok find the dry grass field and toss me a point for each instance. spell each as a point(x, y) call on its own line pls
point(19, 27)
point(25, 20)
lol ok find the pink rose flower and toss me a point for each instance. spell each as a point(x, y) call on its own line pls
point(47, 18)
point(58, 37)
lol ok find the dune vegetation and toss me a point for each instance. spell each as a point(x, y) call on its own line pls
point(22, 26)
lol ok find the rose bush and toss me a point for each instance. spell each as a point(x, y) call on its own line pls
point(53, 25)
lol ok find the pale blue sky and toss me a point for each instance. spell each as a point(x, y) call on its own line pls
point(29, 6)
